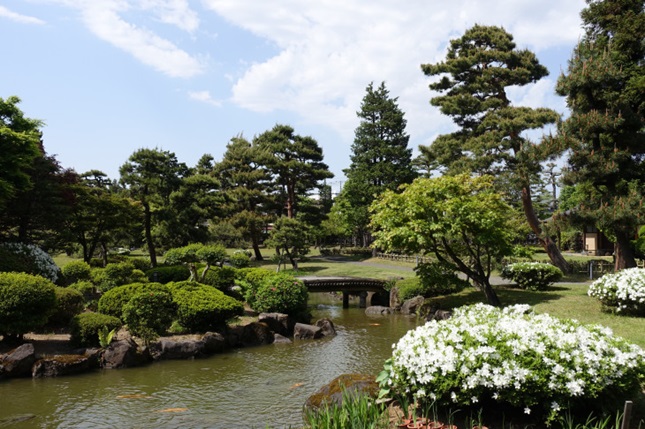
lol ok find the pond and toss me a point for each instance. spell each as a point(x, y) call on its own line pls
point(255, 387)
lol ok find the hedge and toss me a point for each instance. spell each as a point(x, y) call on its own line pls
point(112, 301)
point(85, 328)
point(26, 302)
point(201, 308)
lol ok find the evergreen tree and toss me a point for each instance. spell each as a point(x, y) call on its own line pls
point(478, 69)
point(381, 159)
point(605, 89)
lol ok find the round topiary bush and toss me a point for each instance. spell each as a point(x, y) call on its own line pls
point(86, 289)
point(240, 259)
point(220, 277)
point(27, 258)
point(622, 292)
point(201, 308)
point(167, 274)
point(438, 279)
point(532, 275)
point(149, 314)
point(26, 302)
point(85, 328)
point(113, 301)
point(76, 271)
point(409, 288)
point(513, 358)
point(69, 303)
point(280, 293)
point(117, 274)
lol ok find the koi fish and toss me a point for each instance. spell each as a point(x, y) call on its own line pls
point(173, 410)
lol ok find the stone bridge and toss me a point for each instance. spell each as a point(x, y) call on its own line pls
point(347, 285)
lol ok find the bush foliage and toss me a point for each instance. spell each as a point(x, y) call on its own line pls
point(27, 258)
point(622, 292)
point(113, 301)
point(75, 271)
point(85, 328)
point(438, 279)
point(149, 314)
point(532, 275)
point(117, 274)
point(69, 303)
point(167, 274)
point(26, 302)
point(279, 293)
point(220, 277)
point(201, 308)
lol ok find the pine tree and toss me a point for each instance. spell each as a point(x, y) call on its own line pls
point(478, 69)
point(605, 89)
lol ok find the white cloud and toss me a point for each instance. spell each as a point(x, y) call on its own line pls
point(204, 97)
point(22, 19)
point(174, 12)
point(330, 50)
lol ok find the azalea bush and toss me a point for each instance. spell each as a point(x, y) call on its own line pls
point(623, 291)
point(532, 275)
point(511, 358)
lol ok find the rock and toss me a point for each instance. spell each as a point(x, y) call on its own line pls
point(60, 365)
point(170, 349)
point(332, 393)
point(18, 362)
point(214, 342)
point(278, 322)
point(124, 354)
point(256, 334)
point(439, 315)
point(327, 326)
point(280, 339)
point(378, 310)
point(306, 332)
point(412, 305)
point(395, 301)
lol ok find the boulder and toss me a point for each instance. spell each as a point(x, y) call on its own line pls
point(214, 342)
point(395, 301)
point(278, 322)
point(124, 354)
point(412, 305)
point(439, 315)
point(18, 362)
point(332, 393)
point(60, 365)
point(167, 348)
point(327, 326)
point(378, 310)
point(256, 334)
point(306, 332)
point(281, 339)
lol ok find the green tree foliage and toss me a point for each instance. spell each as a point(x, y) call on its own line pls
point(460, 220)
point(193, 253)
point(26, 302)
point(380, 158)
point(246, 185)
point(291, 238)
point(478, 69)
point(19, 146)
point(151, 176)
point(295, 162)
point(280, 293)
point(605, 89)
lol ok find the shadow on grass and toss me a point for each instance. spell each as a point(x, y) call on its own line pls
point(508, 295)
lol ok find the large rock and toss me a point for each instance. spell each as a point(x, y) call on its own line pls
point(281, 339)
point(278, 322)
point(439, 315)
point(327, 326)
point(395, 300)
point(214, 342)
point(256, 334)
point(18, 362)
point(167, 348)
point(378, 310)
point(412, 305)
point(60, 365)
point(332, 393)
point(303, 331)
point(124, 354)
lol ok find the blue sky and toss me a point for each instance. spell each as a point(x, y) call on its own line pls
point(110, 76)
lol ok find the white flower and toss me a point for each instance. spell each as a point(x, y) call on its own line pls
point(527, 410)
point(555, 406)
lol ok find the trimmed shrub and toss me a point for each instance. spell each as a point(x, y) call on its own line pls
point(149, 314)
point(117, 274)
point(167, 274)
point(140, 264)
point(280, 293)
point(201, 308)
point(85, 328)
point(86, 289)
point(239, 259)
point(69, 303)
point(220, 277)
point(532, 275)
point(438, 279)
point(409, 288)
point(76, 271)
point(358, 251)
point(113, 301)
point(622, 292)
point(26, 302)
point(27, 258)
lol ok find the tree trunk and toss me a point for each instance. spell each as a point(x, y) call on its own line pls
point(623, 253)
point(147, 223)
point(256, 248)
point(549, 246)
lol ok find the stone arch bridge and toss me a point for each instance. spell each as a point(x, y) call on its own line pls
point(347, 285)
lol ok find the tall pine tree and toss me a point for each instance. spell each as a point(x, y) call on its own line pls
point(605, 89)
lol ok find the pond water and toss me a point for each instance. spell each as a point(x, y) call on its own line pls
point(255, 387)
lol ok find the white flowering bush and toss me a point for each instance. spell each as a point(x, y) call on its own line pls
point(513, 358)
point(623, 291)
point(532, 275)
point(28, 258)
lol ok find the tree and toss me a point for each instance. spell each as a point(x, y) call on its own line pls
point(151, 176)
point(296, 163)
point(291, 238)
point(19, 146)
point(605, 89)
point(246, 185)
point(191, 254)
point(380, 157)
point(491, 139)
point(460, 220)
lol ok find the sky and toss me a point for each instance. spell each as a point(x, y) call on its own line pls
point(108, 77)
